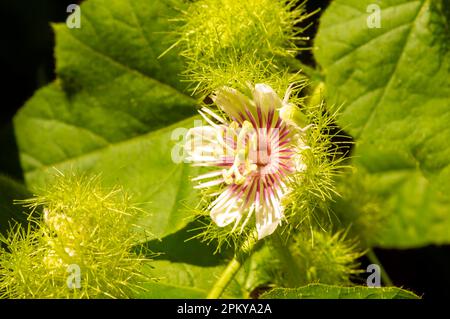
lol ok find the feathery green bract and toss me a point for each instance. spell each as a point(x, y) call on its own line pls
point(82, 224)
point(312, 190)
point(326, 257)
point(228, 42)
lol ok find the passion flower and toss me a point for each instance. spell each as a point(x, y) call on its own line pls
point(253, 150)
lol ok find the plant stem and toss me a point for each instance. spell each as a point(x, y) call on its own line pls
point(384, 275)
point(232, 268)
point(225, 279)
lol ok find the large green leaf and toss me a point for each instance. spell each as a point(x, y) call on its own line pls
point(319, 291)
point(113, 109)
point(119, 41)
point(393, 84)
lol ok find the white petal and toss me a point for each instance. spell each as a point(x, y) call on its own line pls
point(202, 132)
point(201, 144)
point(266, 98)
point(249, 215)
point(223, 199)
point(208, 120)
point(266, 219)
point(207, 175)
point(210, 183)
point(203, 159)
point(287, 95)
point(214, 115)
point(231, 101)
point(225, 215)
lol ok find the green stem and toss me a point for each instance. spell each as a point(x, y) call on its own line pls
point(384, 275)
point(225, 279)
point(232, 268)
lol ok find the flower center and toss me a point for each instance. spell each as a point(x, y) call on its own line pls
point(252, 152)
point(260, 153)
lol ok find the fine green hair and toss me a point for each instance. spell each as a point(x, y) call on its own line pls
point(74, 221)
point(326, 257)
point(228, 42)
point(314, 189)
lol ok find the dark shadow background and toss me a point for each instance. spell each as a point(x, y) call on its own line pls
point(27, 63)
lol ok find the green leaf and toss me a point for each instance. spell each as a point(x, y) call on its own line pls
point(319, 291)
point(393, 84)
point(113, 109)
point(118, 41)
point(10, 190)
